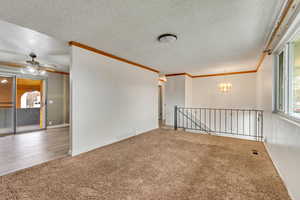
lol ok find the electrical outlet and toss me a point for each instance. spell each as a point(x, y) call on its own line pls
point(50, 122)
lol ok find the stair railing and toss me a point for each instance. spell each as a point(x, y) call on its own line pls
point(244, 123)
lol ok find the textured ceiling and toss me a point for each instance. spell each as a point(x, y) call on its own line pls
point(17, 42)
point(213, 35)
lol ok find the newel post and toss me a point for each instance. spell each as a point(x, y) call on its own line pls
point(175, 117)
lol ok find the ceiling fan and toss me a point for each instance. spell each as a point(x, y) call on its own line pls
point(34, 67)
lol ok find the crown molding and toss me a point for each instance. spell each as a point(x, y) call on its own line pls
point(286, 9)
point(180, 74)
point(210, 75)
point(224, 74)
point(268, 49)
point(86, 47)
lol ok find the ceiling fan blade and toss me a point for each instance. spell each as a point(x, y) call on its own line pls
point(48, 66)
point(12, 64)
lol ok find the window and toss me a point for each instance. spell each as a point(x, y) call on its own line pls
point(280, 83)
point(295, 78)
point(288, 80)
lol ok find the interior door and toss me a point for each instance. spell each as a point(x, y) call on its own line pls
point(7, 104)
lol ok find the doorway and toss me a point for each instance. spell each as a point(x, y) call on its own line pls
point(7, 104)
point(30, 104)
point(160, 106)
point(22, 104)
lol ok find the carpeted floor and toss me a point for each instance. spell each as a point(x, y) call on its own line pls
point(161, 164)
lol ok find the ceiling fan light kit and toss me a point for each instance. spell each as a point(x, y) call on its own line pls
point(33, 67)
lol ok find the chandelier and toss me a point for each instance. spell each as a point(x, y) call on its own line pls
point(225, 87)
point(33, 66)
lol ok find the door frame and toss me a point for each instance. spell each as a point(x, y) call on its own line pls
point(45, 91)
point(14, 76)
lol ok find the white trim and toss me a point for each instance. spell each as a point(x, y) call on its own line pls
point(58, 126)
point(5, 131)
point(278, 171)
point(111, 142)
point(284, 80)
point(290, 71)
point(288, 118)
point(274, 83)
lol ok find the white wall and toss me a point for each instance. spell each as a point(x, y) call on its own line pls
point(206, 91)
point(175, 94)
point(188, 91)
point(58, 99)
point(282, 136)
point(111, 100)
point(162, 84)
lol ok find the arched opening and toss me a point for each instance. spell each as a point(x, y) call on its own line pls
point(31, 99)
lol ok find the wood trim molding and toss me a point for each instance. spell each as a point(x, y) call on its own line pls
point(86, 47)
point(210, 75)
point(17, 65)
point(285, 11)
point(180, 74)
point(261, 60)
point(59, 72)
point(83, 46)
point(267, 50)
point(282, 18)
point(224, 74)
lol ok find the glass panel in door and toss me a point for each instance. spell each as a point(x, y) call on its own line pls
point(7, 105)
point(30, 106)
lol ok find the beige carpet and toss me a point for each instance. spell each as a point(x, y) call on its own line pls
point(156, 165)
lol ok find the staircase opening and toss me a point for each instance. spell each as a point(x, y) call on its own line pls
point(240, 123)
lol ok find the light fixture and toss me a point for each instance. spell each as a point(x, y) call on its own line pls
point(33, 67)
point(225, 87)
point(4, 81)
point(162, 78)
point(167, 38)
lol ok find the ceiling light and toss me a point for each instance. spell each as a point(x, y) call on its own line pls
point(163, 78)
point(167, 38)
point(33, 67)
point(4, 81)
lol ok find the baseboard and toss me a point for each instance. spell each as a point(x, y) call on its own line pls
point(58, 126)
point(278, 171)
point(6, 131)
point(107, 143)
